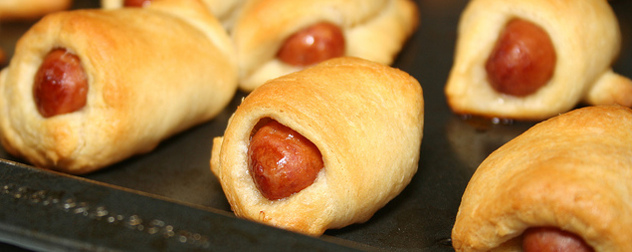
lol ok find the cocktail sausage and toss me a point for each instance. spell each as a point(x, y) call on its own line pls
point(545, 239)
point(523, 59)
point(281, 161)
point(313, 44)
point(61, 85)
point(136, 3)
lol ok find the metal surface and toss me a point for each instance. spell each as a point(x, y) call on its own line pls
point(50, 211)
point(173, 186)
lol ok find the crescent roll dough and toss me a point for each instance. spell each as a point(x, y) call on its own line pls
point(225, 10)
point(586, 39)
point(145, 84)
point(30, 9)
point(572, 172)
point(373, 30)
point(365, 118)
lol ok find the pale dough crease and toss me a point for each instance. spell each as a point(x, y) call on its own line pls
point(365, 118)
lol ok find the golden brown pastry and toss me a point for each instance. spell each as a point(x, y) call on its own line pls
point(566, 177)
point(225, 10)
point(277, 37)
point(354, 125)
point(88, 88)
point(530, 60)
point(30, 9)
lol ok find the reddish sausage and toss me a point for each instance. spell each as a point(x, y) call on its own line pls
point(60, 85)
point(313, 44)
point(281, 161)
point(552, 239)
point(136, 3)
point(523, 59)
point(3, 58)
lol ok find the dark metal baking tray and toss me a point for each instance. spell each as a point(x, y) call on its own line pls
point(169, 200)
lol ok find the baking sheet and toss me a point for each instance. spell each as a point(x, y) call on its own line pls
point(173, 184)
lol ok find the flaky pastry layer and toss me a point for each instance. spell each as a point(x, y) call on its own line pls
point(571, 172)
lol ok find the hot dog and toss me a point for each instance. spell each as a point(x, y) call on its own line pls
point(282, 161)
point(545, 239)
point(61, 84)
point(3, 58)
point(314, 44)
point(523, 59)
point(136, 3)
